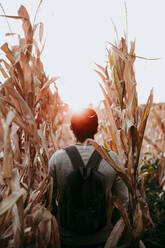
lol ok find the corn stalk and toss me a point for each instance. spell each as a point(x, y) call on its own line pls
point(28, 116)
point(126, 126)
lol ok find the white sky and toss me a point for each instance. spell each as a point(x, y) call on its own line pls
point(76, 33)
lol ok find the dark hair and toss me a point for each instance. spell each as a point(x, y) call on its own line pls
point(84, 124)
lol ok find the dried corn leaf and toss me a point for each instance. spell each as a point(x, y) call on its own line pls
point(118, 204)
point(44, 88)
point(1, 132)
point(26, 112)
point(115, 235)
point(14, 17)
point(8, 156)
point(143, 123)
point(138, 221)
point(111, 60)
point(5, 221)
point(3, 72)
point(18, 223)
point(23, 12)
point(105, 155)
point(8, 53)
point(124, 141)
point(106, 96)
point(37, 10)
point(8, 202)
point(44, 143)
point(7, 66)
point(101, 68)
point(27, 30)
point(17, 119)
point(141, 244)
point(10, 34)
point(20, 77)
point(113, 127)
point(129, 80)
point(41, 31)
point(101, 75)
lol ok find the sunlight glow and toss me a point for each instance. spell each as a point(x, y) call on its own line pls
point(76, 106)
point(76, 99)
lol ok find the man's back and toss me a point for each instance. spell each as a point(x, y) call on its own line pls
point(60, 167)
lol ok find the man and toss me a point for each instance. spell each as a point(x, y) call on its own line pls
point(84, 125)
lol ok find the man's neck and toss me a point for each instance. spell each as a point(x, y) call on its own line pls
point(85, 143)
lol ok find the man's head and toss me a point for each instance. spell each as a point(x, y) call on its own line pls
point(84, 124)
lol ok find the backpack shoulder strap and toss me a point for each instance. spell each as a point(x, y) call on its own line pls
point(94, 160)
point(74, 156)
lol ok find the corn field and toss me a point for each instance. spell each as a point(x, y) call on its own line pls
point(34, 122)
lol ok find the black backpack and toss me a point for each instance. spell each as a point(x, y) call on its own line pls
point(83, 204)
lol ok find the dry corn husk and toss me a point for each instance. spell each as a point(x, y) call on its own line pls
point(126, 127)
point(29, 113)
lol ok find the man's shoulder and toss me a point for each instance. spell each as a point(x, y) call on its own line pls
point(58, 153)
point(58, 160)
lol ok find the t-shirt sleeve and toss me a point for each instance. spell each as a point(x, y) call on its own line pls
point(119, 187)
point(51, 166)
point(52, 173)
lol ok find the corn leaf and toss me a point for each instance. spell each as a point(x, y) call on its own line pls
point(115, 235)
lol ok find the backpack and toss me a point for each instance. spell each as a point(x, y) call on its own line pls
point(83, 204)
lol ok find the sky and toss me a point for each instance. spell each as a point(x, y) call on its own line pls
point(77, 34)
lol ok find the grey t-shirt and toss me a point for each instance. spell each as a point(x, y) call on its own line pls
point(59, 168)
